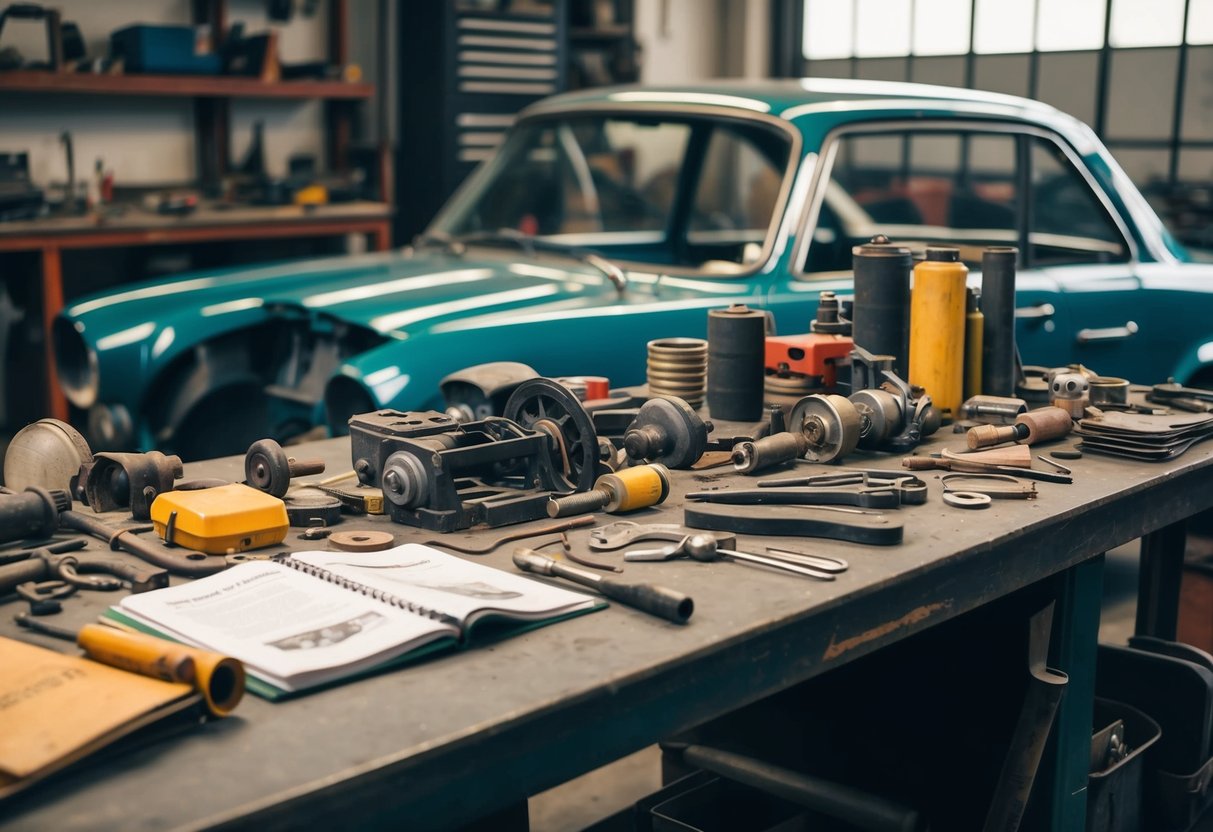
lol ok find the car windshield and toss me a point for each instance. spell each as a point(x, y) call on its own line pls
point(685, 192)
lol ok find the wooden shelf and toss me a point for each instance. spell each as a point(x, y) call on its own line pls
point(188, 86)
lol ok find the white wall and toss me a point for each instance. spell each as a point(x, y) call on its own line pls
point(150, 140)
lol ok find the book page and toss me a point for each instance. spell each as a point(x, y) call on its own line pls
point(282, 623)
point(435, 580)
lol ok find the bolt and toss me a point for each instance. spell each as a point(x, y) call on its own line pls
point(582, 503)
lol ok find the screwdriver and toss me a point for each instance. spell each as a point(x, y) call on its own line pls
point(655, 600)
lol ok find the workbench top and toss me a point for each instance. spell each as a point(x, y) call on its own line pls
point(458, 736)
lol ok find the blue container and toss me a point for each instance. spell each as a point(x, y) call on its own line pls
point(171, 50)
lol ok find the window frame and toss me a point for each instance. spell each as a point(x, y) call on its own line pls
point(904, 127)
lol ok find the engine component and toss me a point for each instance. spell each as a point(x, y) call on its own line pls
point(442, 476)
point(548, 408)
point(655, 600)
point(804, 364)
point(752, 455)
point(223, 520)
point(1069, 391)
point(365, 541)
point(937, 317)
point(586, 388)
point(993, 410)
point(117, 481)
point(678, 367)
point(830, 424)
point(46, 454)
point(177, 561)
point(34, 513)
point(633, 488)
point(481, 391)
point(267, 467)
point(893, 416)
point(882, 300)
point(1038, 425)
point(736, 348)
point(998, 352)
point(667, 430)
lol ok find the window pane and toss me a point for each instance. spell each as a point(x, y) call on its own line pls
point(1069, 224)
point(829, 29)
point(838, 68)
point(1137, 106)
point(1002, 73)
point(933, 194)
point(881, 69)
point(883, 28)
point(1200, 21)
point(1198, 103)
point(1070, 24)
point(1004, 26)
point(947, 71)
point(941, 27)
point(1147, 22)
point(1068, 82)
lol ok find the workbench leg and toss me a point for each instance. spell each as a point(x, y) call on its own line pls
point(52, 303)
point(1076, 636)
point(1158, 582)
point(381, 237)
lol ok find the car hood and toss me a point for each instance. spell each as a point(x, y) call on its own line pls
point(391, 293)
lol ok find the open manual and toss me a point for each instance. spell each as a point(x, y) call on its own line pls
point(313, 618)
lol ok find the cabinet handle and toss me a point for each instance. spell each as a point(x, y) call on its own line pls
point(1112, 333)
point(1043, 311)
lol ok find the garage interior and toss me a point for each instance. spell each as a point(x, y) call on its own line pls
point(875, 324)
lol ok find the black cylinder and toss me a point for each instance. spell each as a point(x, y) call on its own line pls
point(32, 513)
point(998, 308)
point(736, 352)
point(882, 300)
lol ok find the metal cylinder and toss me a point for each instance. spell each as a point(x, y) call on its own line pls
point(678, 367)
point(975, 327)
point(937, 313)
point(881, 320)
point(998, 307)
point(776, 449)
point(736, 363)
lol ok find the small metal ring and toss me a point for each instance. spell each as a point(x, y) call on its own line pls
point(967, 499)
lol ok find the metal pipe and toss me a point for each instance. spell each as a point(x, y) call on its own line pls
point(998, 306)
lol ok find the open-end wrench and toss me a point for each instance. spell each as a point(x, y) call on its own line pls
point(703, 547)
point(623, 532)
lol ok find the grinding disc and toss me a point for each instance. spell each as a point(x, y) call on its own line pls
point(362, 541)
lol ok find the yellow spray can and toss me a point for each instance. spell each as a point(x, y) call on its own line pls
point(937, 329)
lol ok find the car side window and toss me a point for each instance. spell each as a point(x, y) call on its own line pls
point(1068, 224)
point(919, 189)
point(959, 188)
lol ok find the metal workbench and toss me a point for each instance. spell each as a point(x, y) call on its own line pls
point(464, 735)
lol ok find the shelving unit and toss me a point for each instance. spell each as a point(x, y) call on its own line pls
point(211, 96)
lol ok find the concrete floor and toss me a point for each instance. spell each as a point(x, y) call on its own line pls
point(605, 791)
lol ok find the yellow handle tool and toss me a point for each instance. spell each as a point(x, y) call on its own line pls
point(219, 678)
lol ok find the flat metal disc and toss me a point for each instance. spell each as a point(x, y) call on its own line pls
point(362, 541)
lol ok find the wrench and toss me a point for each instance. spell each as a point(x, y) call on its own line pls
point(704, 547)
point(622, 532)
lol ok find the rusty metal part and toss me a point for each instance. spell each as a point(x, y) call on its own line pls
point(830, 425)
point(885, 497)
point(713, 459)
point(175, 560)
point(777, 449)
point(669, 431)
point(960, 465)
point(366, 541)
point(1107, 390)
point(993, 410)
point(807, 521)
point(306, 510)
point(1038, 425)
point(315, 533)
point(550, 528)
point(44, 596)
point(97, 572)
point(997, 486)
point(581, 560)
point(910, 489)
point(967, 499)
point(267, 467)
point(130, 481)
point(24, 619)
point(34, 513)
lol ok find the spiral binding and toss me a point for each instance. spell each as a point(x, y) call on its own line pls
point(362, 589)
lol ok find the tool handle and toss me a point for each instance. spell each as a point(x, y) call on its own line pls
point(655, 600)
point(30, 569)
point(983, 436)
point(1045, 423)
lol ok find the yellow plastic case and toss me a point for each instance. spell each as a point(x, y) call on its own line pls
point(227, 518)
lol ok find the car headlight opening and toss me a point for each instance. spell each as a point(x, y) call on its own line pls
point(76, 365)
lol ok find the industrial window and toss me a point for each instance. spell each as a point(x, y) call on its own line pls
point(963, 189)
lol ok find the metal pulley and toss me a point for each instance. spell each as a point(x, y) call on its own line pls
point(830, 425)
point(542, 405)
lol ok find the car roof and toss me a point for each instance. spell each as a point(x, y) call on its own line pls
point(791, 98)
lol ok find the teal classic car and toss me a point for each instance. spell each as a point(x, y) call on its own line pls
point(615, 216)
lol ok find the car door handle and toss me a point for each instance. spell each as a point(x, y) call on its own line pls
point(1112, 333)
point(1039, 312)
